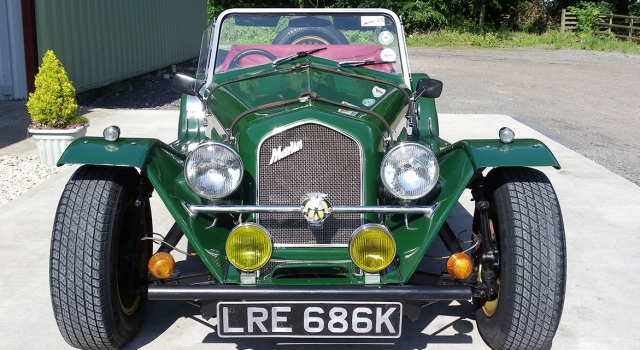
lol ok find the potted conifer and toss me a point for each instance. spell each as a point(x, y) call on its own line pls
point(53, 109)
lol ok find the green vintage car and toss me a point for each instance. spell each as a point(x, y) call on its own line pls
point(310, 179)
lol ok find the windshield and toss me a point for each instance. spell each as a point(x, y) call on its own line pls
point(369, 40)
point(205, 52)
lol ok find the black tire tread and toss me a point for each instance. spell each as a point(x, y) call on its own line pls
point(78, 280)
point(537, 266)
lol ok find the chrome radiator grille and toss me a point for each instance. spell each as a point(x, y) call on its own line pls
point(328, 162)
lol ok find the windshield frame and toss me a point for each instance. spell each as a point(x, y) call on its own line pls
point(214, 39)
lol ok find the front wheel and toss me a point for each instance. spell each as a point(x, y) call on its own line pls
point(527, 228)
point(98, 261)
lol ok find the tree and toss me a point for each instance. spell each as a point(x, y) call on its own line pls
point(425, 15)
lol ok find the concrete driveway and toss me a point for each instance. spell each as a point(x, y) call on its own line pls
point(602, 221)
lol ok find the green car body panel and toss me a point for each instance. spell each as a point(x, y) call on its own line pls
point(231, 97)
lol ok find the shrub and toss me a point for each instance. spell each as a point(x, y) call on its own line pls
point(532, 17)
point(53, 105)
point(587, 14)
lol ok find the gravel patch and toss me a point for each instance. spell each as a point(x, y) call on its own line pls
point(154, 93)
point(20, 173)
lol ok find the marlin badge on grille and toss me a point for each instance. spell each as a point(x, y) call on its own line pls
point(280, 153)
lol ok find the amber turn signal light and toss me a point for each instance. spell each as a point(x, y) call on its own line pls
point(161, 265)
point(459, 266)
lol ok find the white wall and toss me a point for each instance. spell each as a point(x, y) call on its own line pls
point(13, 78)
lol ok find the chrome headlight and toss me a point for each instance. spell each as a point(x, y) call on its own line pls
point(409, 170)
point(213, 170)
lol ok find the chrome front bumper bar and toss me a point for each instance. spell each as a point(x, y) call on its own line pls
point(194, 210)
point(309, 292)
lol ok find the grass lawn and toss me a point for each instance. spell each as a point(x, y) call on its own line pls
point(551, 39)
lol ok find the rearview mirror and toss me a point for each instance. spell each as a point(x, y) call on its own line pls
point(184, 84)
point(430, 88)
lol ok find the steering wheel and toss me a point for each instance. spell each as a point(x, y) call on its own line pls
point(235, 62)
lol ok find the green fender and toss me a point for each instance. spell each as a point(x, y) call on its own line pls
point(493, 153)
point(133, 152)
point(459, 163)
point(163, 166)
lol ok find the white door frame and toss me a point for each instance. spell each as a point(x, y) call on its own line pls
point(13, 75)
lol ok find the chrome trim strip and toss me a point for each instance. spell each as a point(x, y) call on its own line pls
point(283, 261)
point(426, 210)
point(310, 245)
point(187, 208)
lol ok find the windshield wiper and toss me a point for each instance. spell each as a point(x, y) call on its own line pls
point(361, 63)
point(296, 56)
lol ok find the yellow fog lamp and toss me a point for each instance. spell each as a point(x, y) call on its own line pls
point(249, 247)
point(372, 247)
point(459, 266)
point(161, 265)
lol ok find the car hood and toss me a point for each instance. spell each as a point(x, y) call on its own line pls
point(238, 97)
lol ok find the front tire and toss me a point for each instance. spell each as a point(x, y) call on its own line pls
point(529, 234)
point(97, 263)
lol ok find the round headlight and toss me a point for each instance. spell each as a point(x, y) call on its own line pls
point(213, 170)
point(409, 170)
point(111, 133)
point(372, 247)
point(249, 247)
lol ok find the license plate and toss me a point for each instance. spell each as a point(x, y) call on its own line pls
point(297, 319)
